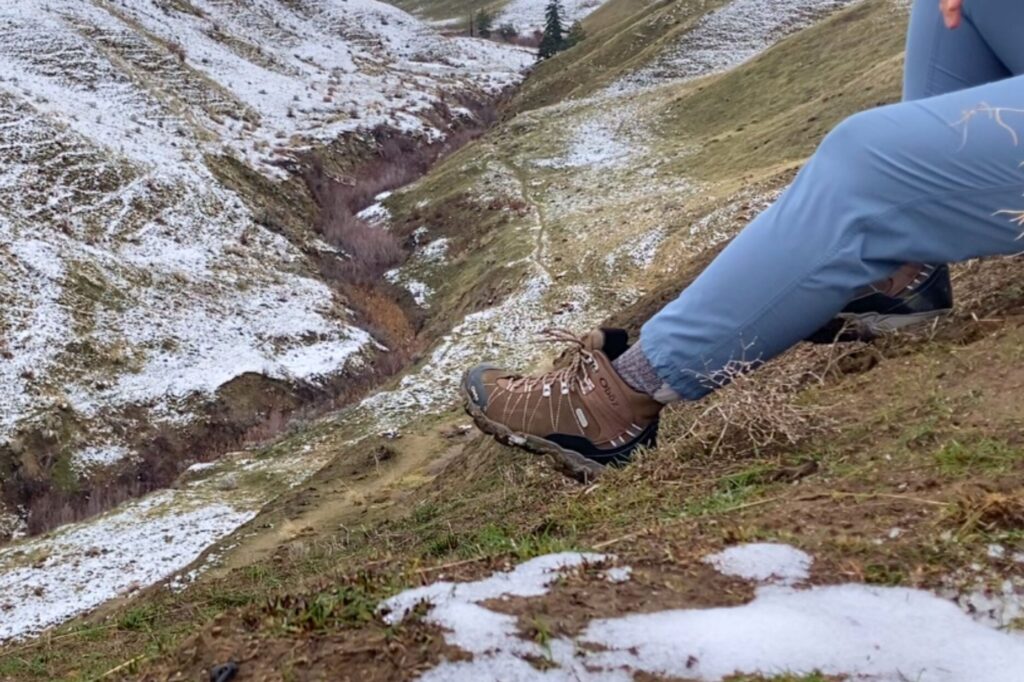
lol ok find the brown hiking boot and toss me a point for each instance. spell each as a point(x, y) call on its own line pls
point(581, 412)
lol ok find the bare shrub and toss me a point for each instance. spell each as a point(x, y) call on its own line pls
point(398, 160)
point(758, 411)
point(178, 51)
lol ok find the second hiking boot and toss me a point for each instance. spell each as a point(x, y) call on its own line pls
point(581, 412)
point(924, 293)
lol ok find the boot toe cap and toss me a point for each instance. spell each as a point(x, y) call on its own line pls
point(474, 383)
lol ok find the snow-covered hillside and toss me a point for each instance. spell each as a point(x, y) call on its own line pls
point(131, 275)
point(528, 15)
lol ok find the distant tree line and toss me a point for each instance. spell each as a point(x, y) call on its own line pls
point(552, 40)
point(482, 24)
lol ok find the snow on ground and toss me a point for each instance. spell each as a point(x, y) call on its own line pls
point(275, 71)
point(98, 456)
point(507, 331)
point(434, 251)
point(420, 291)
point(726, 38)
point(639, 251)
point(84, 566)
point(527, 16)
point(618, 574)
point(130, 274)
point(609, 134)
point(529, 579)
point(376, 214)
point(49, 579)
point(425, 263)
point(1001, 606)
point(763, 562)
point(880, 634)
point(12, 526)
point(720, 224)
point(606, 138)
point(132, 277)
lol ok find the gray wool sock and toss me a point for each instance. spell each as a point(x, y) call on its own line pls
point(636, 370)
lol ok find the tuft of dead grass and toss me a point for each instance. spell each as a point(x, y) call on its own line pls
point(756, 412)
point(987, 511)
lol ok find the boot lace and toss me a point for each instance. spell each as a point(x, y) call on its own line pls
point(574, 375)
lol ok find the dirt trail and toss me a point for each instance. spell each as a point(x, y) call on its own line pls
point(370, 479)
point(538, 255)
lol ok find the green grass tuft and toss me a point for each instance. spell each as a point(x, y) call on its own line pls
point(956, 458)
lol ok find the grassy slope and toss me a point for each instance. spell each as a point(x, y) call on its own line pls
point(918, 433)
point(622, 36)
point(441, 10)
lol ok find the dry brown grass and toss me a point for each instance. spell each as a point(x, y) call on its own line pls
point(764, 410)
point(987, 511)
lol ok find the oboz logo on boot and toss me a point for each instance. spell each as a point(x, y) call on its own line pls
point(606, 387)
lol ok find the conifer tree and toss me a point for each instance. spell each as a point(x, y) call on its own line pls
point(484, 23)
point(576, 34)
point(553, 38)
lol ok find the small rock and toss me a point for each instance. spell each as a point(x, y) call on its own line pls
point(224, 672)
point(227, 482)
point(456, 430)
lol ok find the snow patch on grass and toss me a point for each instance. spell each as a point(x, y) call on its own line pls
point(48, 579)
point(434, 251)
point(376, 214)
point(864, 632)
point(856, 631)
point(84, 565)
point(722, 223)
point(529, 579)
point(420, 292)
point(98, 456)
point(763, 562)
point(997, 603)
point(640, 251)
point(130, 274)
point(607, 136)
point(727, 37)
point(36, 322)
point(618, 574)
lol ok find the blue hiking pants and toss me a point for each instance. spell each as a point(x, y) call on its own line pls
point(920, 181)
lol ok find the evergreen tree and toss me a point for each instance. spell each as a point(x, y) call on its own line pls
point(484, 23)
point(553, 38)
point(576, 35)
point(507, 31)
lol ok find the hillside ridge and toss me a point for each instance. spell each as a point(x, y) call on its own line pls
point(877, 485)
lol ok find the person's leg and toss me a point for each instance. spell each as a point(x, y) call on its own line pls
point(939, 61)
point(898, 184)
point(902, 183)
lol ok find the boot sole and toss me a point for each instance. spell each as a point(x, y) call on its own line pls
point(571, 463)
